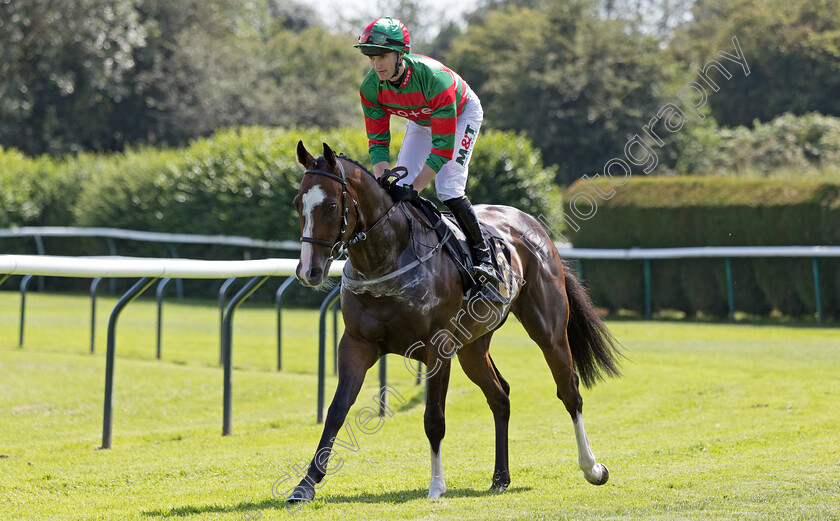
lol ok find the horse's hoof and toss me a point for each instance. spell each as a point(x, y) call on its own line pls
point(301, 494)
point(499, 485)
point(605, 475)
point(497, 489)
point(436, 494)
point(437, 487)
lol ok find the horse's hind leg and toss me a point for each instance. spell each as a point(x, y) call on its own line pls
point(543, 311)
point(479, 367)
point(502, 381)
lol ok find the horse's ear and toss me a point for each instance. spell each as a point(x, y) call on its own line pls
point(329, 155)
point(304, 157)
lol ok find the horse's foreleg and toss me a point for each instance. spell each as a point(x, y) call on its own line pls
point(435, 424)
point(354, 359)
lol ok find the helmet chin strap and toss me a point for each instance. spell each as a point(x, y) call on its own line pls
point(397, 69)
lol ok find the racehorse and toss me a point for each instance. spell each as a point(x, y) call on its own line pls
point(401, 293)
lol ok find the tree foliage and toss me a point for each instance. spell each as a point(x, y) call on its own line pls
point(282, 71)
point(673, 212)
point(239, 181)
point(101, 74)
point(658, 17)
point(577, 85)
point(65, 67)
point(578, 77)
point(792, 47)
point(806, 145)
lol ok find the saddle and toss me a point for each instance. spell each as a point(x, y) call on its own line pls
point(455, 244)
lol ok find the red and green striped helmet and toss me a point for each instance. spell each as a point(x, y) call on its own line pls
point(384, 35)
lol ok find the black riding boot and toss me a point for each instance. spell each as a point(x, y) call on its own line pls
point(465, 214)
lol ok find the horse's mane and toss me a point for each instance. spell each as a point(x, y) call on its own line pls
point(361, 167)
point(353, 161)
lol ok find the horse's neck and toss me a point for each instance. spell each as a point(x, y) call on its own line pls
point(379, 253)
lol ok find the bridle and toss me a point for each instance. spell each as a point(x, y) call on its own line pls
point(339, 246)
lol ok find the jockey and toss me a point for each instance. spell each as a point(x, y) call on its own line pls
point(442, 112)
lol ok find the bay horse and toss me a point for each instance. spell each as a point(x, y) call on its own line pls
point(400, 291)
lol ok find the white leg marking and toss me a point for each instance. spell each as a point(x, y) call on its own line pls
point(592, 471)
point(312, 198)
point(437, 486)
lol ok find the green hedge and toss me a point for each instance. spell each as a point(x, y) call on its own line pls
point(237, 182)
point(669, 212)
point(34, 191)
point(242, 182)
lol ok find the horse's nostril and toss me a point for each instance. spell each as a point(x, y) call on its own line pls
point(315, 273)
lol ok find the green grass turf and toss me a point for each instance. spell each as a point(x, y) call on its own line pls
point(709, 422)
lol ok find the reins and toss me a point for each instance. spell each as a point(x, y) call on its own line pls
point(351, 283)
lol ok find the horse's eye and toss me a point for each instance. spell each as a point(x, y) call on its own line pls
point(333, 207)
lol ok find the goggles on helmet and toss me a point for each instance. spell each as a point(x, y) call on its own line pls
point(378, 38)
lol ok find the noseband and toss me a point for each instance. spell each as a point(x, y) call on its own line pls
point(338, 246)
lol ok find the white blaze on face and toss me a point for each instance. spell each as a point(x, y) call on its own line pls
point(312, 198)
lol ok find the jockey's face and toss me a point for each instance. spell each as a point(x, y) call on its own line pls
point(385, 65)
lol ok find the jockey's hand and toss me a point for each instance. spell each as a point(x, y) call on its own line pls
point(401, 192)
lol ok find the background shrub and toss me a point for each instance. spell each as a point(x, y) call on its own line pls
point(797, 146)
point(668, 212)
point(238, 182)
point(34, 191)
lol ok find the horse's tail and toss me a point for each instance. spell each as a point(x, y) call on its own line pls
point(595, 352)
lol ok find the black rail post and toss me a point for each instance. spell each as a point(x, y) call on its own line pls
point(227, 338)
point(222, 297)
point(730, 289)
point(815, 266)
point(335, 335)
point(383, 381)
point(112, 250)
point(278, 304)
point(107, 418)
point(179, 284)
point(94, 285)
point(648, 291)
point(39, 245)
point(159, 297)
point(24, 285)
